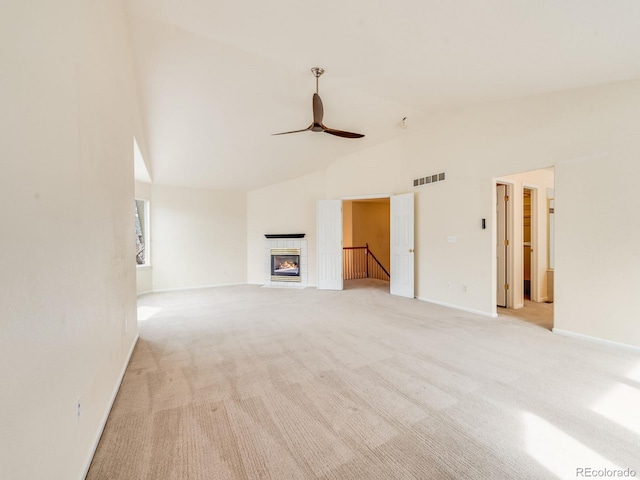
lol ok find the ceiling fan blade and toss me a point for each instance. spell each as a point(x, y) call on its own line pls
point(342, 133)
point(294, 131)
point(318, 111)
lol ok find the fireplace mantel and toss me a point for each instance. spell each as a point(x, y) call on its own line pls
point(284, 235)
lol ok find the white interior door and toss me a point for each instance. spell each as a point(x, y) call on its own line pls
point(329, 244)
point(402, 245)
point(501, 246)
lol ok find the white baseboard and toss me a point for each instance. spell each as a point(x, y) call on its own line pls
point(601, 341)
point(144, 293)
point(114, 393)
point(458, 307)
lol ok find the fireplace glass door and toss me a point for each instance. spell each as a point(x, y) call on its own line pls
point(285, 264)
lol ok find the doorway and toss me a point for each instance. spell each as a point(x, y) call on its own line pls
point(366, 241)
point(523, 241)
point(401, 243)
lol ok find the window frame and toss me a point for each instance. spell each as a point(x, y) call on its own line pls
point(145, 227)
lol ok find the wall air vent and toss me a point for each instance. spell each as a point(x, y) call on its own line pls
point(438, 177)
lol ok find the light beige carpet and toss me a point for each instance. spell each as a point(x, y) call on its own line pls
point(259, 383)
point(540, 314)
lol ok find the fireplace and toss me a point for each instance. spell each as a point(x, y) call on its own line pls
point(286, 260)
point(285, 264)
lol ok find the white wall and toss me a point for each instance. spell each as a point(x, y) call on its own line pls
point(478, 144)
point(198, 238)
point(67, 302)
point(597, 259)
point(288, 207)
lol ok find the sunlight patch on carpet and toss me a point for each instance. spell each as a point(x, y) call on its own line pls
point(145, 313)
point(559, 452)
point(622, 406)
point(635, 374)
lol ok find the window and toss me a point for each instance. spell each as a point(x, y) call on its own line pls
point(141, 210)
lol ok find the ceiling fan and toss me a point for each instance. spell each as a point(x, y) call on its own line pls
point(318, 112)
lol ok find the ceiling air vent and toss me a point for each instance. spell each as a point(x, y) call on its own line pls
point(437, 177)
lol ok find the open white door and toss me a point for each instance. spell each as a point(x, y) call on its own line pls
point(329, 244)
point(402, 245)
point(502, 244)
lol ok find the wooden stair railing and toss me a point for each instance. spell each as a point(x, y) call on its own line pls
point(360, 262)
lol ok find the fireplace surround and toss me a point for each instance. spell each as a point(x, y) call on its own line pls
point(285, 261)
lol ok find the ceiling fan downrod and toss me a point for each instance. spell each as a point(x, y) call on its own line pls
point(317, 71)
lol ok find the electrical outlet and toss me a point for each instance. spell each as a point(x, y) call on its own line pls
point(78, 409)
point(449, 284)
point(464, 288)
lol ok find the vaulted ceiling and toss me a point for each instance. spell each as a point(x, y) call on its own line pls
point(218, 77)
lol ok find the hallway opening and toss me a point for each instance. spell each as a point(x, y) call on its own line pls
point(524, 244)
